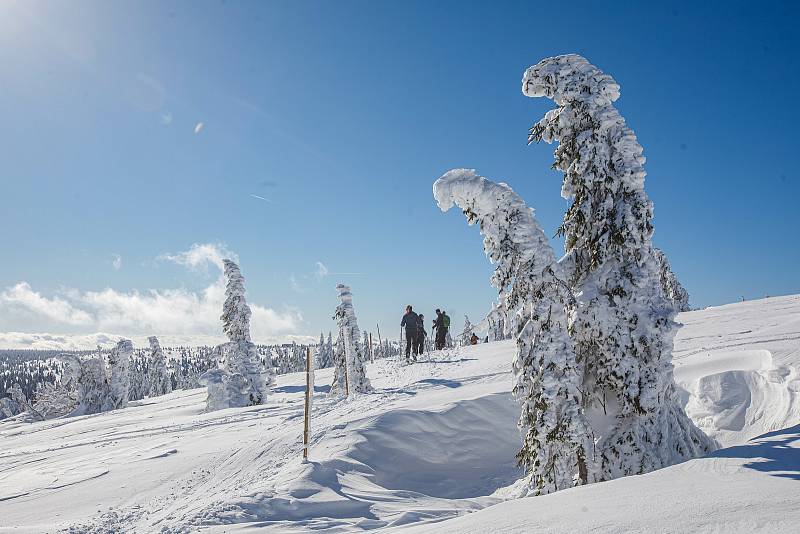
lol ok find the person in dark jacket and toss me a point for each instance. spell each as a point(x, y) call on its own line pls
point(441, 330)
point(421, 335)
point(411, 323)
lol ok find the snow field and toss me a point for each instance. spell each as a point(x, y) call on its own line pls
point(434, 442)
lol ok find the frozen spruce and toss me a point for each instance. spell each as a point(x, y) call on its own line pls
point(557, 451)
point(621, 323)
point(672, 288)
point(496, 320)
point(242, 379)
point(87, 377)
point(159, 380)
point(353, 367)
point(118, 376)
point(466, 333)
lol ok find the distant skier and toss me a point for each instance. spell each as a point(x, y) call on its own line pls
point(421, 335)
point(473, 340)
point(411, 323)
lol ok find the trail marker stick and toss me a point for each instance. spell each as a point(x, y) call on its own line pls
point(309, 388)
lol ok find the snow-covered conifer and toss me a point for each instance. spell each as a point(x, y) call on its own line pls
point(118, 380)
point(622, 325)
point(339, 365)
point(355, 359)
point(670, 284)
point(466, 333)
point(496, 320)
point(158, 377)
point(557, 450)
point(242, 380)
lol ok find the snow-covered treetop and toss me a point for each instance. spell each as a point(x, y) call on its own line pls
point(601, 160)
point(235, 312)
point(345, 308)
point(155, 347)
point(567, 78)
point(512, 237)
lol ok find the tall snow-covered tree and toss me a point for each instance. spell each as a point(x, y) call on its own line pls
point(557, 451)
point(670, 284)
point(355, 359)
point(242, 379)
point(622, 324)
point(118, 378)
point(158, 377)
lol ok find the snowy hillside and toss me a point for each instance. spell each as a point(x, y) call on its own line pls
point(436, 440)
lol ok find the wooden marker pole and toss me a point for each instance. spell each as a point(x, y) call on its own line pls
point(371, 354)
point(380, 343)
point(309, 388)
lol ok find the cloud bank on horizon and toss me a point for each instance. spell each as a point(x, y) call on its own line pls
point(82, 319)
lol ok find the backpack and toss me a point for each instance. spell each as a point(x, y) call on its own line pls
point(446, 319)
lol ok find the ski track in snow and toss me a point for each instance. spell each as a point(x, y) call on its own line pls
point(434, 442)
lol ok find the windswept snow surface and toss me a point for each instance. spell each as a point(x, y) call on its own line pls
point(435, 441)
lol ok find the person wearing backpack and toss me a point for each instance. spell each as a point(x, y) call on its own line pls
point(441, 330)
point(411, 323)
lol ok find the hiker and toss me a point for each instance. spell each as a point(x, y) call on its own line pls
point(440, 330)
point(421, 335)
point(474, 339)
point(411, 323)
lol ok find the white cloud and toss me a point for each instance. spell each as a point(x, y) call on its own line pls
point(116, 263)
point(321, 272)
point(139, 313)
point(21, 298)
point(198, 127)
point(201, 255)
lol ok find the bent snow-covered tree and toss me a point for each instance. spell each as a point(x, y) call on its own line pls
point(351, 366)
point(622, 324)
point(159, 380)
point(242, 379)
point(557, 452)
point(670, 284)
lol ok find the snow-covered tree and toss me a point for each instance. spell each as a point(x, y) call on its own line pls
point(339, 365)
point(242, 379)
point(672, 288)
point(324, 352)
point(557, 451)
point(496, 320)
point(466, 333)
point(355, 359)
point(622, 325)
point(118, 380)
point(88, 378)
point(54, 400)
point(158, 376)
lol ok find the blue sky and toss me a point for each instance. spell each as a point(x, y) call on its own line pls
point(342, 114)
